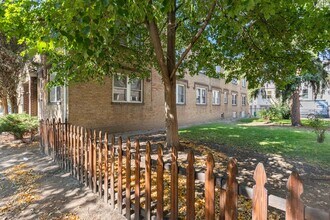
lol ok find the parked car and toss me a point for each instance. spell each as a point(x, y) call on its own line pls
point(315, 108)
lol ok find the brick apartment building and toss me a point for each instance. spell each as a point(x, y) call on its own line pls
point(121, 104)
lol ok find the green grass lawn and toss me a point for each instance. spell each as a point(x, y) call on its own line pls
point(298, 143)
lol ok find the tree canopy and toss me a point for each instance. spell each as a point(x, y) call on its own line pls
point(261, 40)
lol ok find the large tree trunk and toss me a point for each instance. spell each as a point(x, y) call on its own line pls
point(295, 109)
point(13, 104)
point(171, 120)
point(5, 105)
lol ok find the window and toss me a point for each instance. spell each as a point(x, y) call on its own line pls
point(234, 81)
point(225, 97)
point(200, 96)
point(243, 100)
point(54, 94)
point(305, 93)
point(127, 90)
point(234, 99)
point(243, 82)
point(180, 94)
point(215, 97)
point(269, 94)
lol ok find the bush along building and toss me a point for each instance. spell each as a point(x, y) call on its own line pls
point(121, 104)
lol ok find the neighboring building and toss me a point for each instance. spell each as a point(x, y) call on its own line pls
point(265, 98)
point(120, 104)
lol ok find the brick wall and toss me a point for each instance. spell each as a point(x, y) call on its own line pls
point(90, 105)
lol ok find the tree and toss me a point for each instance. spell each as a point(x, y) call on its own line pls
point(92, 39)
point(317, 80)
point(11, 66)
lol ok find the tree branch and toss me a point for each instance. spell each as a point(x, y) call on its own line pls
point(195, 38)
point(156, 42)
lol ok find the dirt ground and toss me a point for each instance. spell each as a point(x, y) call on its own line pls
point(33, 187)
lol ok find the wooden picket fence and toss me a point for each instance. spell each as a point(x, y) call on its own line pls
point(97, 161)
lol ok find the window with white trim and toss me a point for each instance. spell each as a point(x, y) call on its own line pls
point(243, 99)
point(126, 89)
point(269, 94)
point(200, 96)
point(234, 99)
point(243, 82)
point(54, 93)
point(180, 94)
point(215, 97)
point(225, 97)
point(304, 93)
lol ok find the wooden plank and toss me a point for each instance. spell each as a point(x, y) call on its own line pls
point(112, 172)
point(128, 179)
point(137, 180)
point(190, 186)
point(148, 181)
point(160, 182)
point(94, 162)
point(259, 201)
point(106, 168)
point(86, 157)
point(74, 151)
point(174, 184)
point(120, 175)
point(71, 150)
point(77, 152)
point(100, 163)
point(232, 190)
point(209, 188)
point(90, 159)
point(294, 205)
point(81, 155)
point(222, 204)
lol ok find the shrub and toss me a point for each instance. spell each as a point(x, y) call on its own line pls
point(319, 126)
point(276, 112)
point(19, 124)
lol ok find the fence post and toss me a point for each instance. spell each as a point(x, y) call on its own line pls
point(222, 204)
point(41, 135)
point(128, 179)
point(209, 188)
point(259, 200)
point(232, 190)
point(86, 143)
point(160, 183)
point(137, 180)
point(190, 186)
point(59, 142)
point(94, 162)
point(148, 181)
point(71, 149)
point(54, 139)
point(78, 152)
point(100, 164)
point(120, 174)
point(90, 159)
point(294, 205)
point(174, 184)
point(112, 168)
point(66, 142)
point(81, 165)
point(106, 169)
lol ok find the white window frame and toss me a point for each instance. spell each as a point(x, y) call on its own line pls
point(56, 90)
point(304, 96)
point(216, 98)
point(269, 94)
point(234, 100)
point(177, 94)
point(243, 82)
point(128, 90)
point(225, 97)
point(244, 100)
point(199, 95)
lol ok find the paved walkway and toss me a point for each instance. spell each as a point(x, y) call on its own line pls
point(56, 194)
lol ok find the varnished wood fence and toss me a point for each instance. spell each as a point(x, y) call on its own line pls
point(98, 162)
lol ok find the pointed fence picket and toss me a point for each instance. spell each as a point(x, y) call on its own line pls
point(97, 162)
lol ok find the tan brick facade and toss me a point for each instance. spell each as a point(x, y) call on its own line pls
point(91, 105)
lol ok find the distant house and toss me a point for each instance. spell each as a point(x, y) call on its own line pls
point(121, 104)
